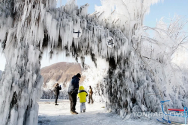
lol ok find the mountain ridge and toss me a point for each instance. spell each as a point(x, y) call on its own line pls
point(61, 72)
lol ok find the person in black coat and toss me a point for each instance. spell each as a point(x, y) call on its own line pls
point(56, 91)
point(73, 91)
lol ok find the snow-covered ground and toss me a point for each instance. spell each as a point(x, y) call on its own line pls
point(49, 114)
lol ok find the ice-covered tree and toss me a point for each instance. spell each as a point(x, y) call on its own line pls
point(159, 51)
point(155, 53)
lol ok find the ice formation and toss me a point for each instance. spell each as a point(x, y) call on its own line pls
point(140, 71)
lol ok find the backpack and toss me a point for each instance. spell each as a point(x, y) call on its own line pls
point(55, 89)
point(90, 91)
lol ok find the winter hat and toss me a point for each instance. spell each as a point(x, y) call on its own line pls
point(78, 75)
point(81, 88)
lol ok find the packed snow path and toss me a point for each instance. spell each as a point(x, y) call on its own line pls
point(49, 114)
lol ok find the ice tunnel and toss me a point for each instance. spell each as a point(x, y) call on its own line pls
point(27, 27)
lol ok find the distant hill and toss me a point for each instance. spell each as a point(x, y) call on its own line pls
point(60, 72)
point(63, 72)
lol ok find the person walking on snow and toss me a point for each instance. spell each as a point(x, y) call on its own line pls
point(82, 95)
point(90, 95)
point(73, 91)
point(56, 91)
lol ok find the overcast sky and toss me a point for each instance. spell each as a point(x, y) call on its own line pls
point(167, 9)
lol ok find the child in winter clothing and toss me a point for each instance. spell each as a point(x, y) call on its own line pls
point(82, 95)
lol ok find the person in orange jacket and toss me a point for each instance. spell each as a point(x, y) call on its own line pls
point(82, 95)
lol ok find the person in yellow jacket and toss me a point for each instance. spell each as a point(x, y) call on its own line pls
point(82, 95)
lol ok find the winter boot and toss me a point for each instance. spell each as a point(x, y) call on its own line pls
point(74, 112)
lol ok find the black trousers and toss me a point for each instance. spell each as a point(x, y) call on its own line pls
point(56, 98)
point(73, 100)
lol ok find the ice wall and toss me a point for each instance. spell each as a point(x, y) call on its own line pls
point(20, 36)
point(28, 27)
